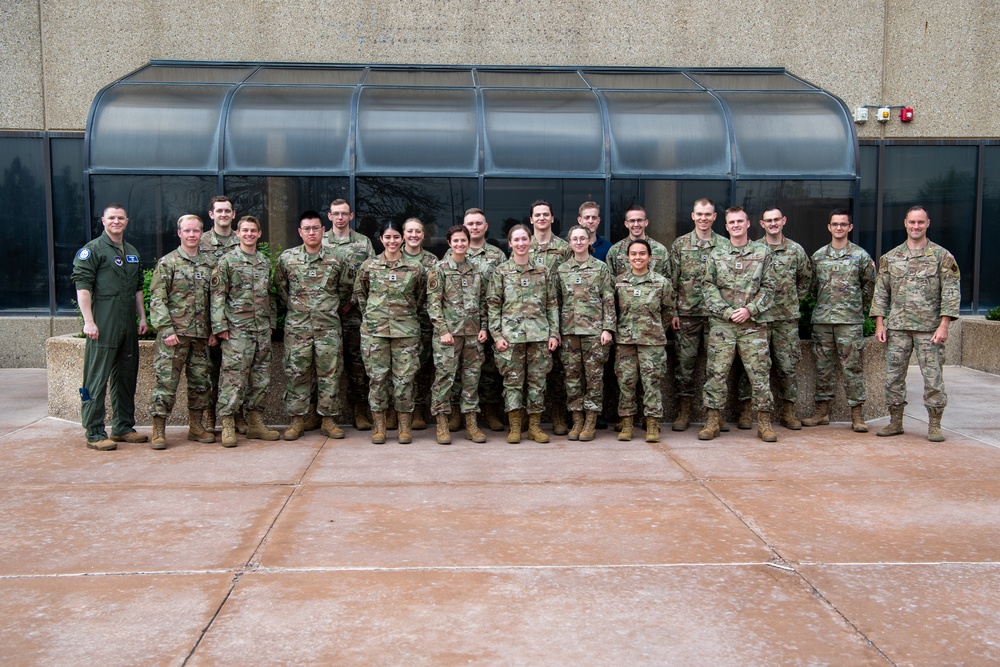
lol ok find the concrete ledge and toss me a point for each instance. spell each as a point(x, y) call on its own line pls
point(981, 344)
point(24, 338)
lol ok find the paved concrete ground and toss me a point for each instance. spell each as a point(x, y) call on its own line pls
point(828, 547)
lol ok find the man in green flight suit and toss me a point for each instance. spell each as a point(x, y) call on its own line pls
point(109, 292)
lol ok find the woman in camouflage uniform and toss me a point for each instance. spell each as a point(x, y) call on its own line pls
point(645, 310)
point(456, 304)
point(524, 322)
point(587, 325)
point(390, 291)
point(413, 248)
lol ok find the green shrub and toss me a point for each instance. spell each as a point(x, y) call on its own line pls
point(993, 314)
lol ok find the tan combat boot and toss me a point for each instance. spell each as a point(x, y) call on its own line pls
point(858, 418)
point(514, 418)
point(296, 428)
point(524, 422)
point(209, 419)
point(492, 418)
point(378, 430)
point(455, 421)
point(788, 417)
point(535, 431)
point(625, 434)
point(683, 415)
point(652, 429)
point(329, 428)
point(229, 431)
point(934, 433)
point(559, 420)
point(132, 436)
point(443, 433)
point(744, 420)
point(105, 445)
point(241, 422)
point(472, 431)
point(819, 417)
point(895, 425)
point(574, 433)
point(764, 430)
point(589, 429)
point(257, 429)
point(196, 433)
point(361, 418)
point(312, 420)
point(711, 428)
point(405, 428)
point(418, 423)
point(159, 440)
point(391, 420)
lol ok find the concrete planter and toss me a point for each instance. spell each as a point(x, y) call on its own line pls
point(981, 344)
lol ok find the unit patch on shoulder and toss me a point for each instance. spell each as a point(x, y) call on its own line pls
point(83, 254)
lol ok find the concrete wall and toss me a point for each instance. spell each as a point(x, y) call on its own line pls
point(22, 339)
point(934, 55)
point(981, 344)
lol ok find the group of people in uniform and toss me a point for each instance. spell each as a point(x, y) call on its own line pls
point(458, 337)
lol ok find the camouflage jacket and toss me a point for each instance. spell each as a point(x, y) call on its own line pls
point(738, 277)
point(456, 298)
point(555, 252)
point(617, 258)
point(645, 308)
point(843, 283)
point(351, 251)
point(688, 259)
point(914, 289)
point(586, 297)
point(522, 304)
point(216, 246)
point(311, 287)
point(792, 276)
point(486, 258)
point(241, 294)
point(180, 295)
point(390, 295)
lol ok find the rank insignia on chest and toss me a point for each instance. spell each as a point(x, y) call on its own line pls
point(197, 276)
point(835, 268)
point(465, 283)
point(312, 274)
point(637, 292)
point(525, 282)
point(539, 261)
point(739, 266)
point(118, 260)
point(579, 280)
point(392, 277)
point(704, 258)
point(132, 259)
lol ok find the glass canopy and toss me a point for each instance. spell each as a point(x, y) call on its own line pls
point(346, 120)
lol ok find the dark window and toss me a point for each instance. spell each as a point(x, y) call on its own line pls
point(23, 230)
point(508, 200)
point(865, 230)
point(668, 205)
point(989, 277)
point(806, 205)
point(69, 213)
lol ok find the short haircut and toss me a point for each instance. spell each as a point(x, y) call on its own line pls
point(474, 211)
point(248, 218)
point(310, 215)
point(589, 204)
point(515, 228)
point(187, 218)
point(113, 204)
point(704, 201)
point(636, 207)
point(539, 202)
point(458, 229)
point(917, 207)
point(338, 202)
point(841, 211)
point(218, 199)
point(771, 207)
point(644, 242)
point(735, 209)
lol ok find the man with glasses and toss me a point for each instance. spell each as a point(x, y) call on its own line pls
point(311, 281)
point(636, 223)
point(351, 248)
point(917, 295)
point(793, 274)
point(843, 283)
point(688, 257)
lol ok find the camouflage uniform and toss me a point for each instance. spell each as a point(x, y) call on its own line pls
point(180, 303)
point(843, 283)
point(456, 304)
point(352, 251)
point(486, 259)
point(551, 255)
point(390, 295)
point(617, 258)
point(688, 259)
point(587, 300)
point(793, 277)
point(214, 247)
point(425, 374)
point(523, 309)
point(914, 289)
point(737, 277)
point(243, 305)
point(311, 287)
point(645, 309)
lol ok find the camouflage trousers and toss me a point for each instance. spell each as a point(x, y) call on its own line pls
point(749, 339)
point(313, 360)
point(354, 365)
point(583, 358)
point(839, 346)
point(783, 338)
point(645, 363)
point(246, 372)
point(898, 347)
point(425, 374)
point(462, 359)
point(168, 364)
point(392, 364)
point(521, 364)
point(688, 340)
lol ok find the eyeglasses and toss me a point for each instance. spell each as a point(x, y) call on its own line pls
point(311, 230)
point(635, 220)
point(840, 224)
